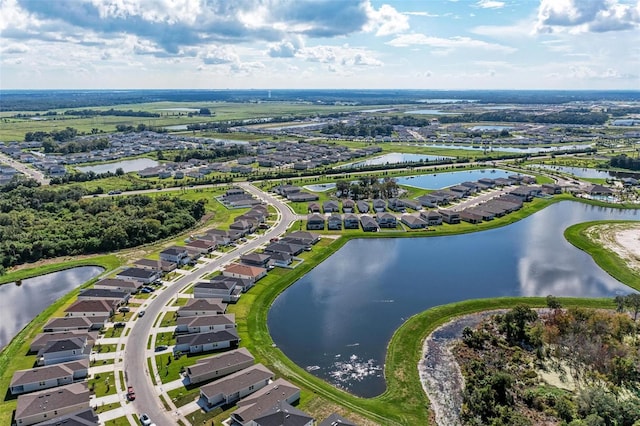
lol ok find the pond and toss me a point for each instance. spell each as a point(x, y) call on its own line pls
point(19, 304)
point(523, 150)
point(431, 112)
point(396, 158)
point(444, 180)
point(576, 171)
point(490, 128)
point(320, 187)
point(337, 320)
point(134, 165)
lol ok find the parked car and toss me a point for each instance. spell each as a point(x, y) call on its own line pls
point(119, 325)
point(131, 395)
point(151, 289)
point(145, 420)
point(146, 290)
point(141, 313)
point(161, 348)
point(124, 309)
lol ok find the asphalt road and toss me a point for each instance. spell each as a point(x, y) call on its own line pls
point(135, 362)
point(24, 169)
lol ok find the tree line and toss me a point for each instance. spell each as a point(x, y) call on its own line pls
point(44, 222)
point(622, 161)
point(561, 117)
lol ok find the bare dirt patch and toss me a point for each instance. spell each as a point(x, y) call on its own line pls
point(622, 239)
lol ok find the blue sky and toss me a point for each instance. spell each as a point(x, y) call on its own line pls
point(408, 44)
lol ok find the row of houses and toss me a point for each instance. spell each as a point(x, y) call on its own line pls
point(294, 193)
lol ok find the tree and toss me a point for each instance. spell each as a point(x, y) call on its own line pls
point(119, 171)
point(632, 302)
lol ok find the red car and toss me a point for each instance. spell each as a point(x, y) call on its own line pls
point(131, 395)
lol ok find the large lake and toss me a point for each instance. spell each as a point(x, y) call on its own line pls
point(585, 172)
point(443, 180)
point(337, 320)
point(19, 304)
point(520, 150)
point(396, 158)
point(126, 165)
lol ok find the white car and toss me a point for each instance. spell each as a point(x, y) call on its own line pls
point(145, 420)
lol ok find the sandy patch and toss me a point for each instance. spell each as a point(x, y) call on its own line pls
point(620, 238)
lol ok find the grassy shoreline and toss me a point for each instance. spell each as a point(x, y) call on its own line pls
point(609, 261)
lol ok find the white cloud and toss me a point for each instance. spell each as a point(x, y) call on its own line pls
point(457, 42)
point(490, 4)
point(219, 55)
point(580, 16)
point(344, 55)
point(425, 14)
point(386, 20)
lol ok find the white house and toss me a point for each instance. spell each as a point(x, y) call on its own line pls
point(221, 289)
point(236, 386)
point(205, 323)
point(58, 351)
point(196, 307)
point(35, 379)
point(219, 365)
point(204, 342)
point(40, 406)
point(175, 254)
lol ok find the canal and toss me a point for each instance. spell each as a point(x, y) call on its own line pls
point(337, 320)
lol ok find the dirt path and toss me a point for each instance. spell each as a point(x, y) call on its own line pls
point(620, 238)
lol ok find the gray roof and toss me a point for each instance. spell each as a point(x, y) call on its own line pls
point(263, 401)
point(85, 417)
point(204, 320)
point(63, 345)
point(103, 293)
point(52, 399)
point(336, 420)
point(255, 257)
point(115, 282)
point(226, 359)
point(237, 381)
point(216, 285)
point(137, 273)
point(40, 374)
point(85, 305)
point(42, 339)
point(204, 304)
point(74, 322)
point(206, 338)
point(283, 414)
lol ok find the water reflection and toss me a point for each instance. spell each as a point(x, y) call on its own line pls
point(337, 320)
point(19, 304)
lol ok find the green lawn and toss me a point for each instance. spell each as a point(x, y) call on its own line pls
point(169, 319)
point(167, 339)
point(120, 421)
point(169, 368)
point(108, 407)
point(113, 332)
point(103, 384)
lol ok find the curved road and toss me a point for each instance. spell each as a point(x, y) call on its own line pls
point(135, 354)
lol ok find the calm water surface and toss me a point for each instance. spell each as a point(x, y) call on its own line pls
point(396, 158)
point(576, 171)
point(126, 165)
point(20, 304)
point(337, 320)
point(443, 180)
point(521, 150)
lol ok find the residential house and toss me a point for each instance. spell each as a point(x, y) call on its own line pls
point(144, 276)
point(379, 205)
point(596, 189)
point(282, 414)
point(484, 215)
point(492, 209)
point(549, 188)
point(221, 234)
point(255, 259)
point(469, 216)
point(313, 208)
point(236, 386)
point(236, 270)
point(301, 197)
point(205, 342)
point(280, 259)
point(118, 285)
point(348, 206)
point(245, 227)
point(411, 204)
point(41, 339)
point(221, 289)
point(331, 206)
point(158, 265)
point(432, 217)
point(363, 206)
point(334, 222)
point(386, 220)
point(41, 406)
point(368, 224)
point(473, 186)
point(175, 254)
point(91, 308)
point(111, 296)
point(205, 323)
point(196, 307)
point(464, 191)
point(265, 402)
point(66, 350)
point(308, 238)
point(202, 246)
point(503, 182)
point(242, 284)
point(336, 420)
point(351, 221)
point(413, 221)
point(218, 366)
point(315, 222)
point(490, 183)
point(280, 247)
point(395, 205)
point(526, 193)
point(36, 379)
point(75, 323)
point(449, 216)
point(82, 417)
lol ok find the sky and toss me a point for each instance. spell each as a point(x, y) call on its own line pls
point(320, 44)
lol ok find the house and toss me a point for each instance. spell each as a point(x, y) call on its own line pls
point(221, 235)
point(119, 285)
point(144, 276)
point(205, 342)
point(66, 350)
point(236, 270)
point(158, 265)
point(91, 308)
point(242, 284)
point(36, 379)
point(302, 197)
point(351, 221)
point(484, 215)
point(432, 217)
point(363, 206)
point(218, 366)
point(413, 222)
point(75, 323)
point(196, 307)
point(596, 189)
point(449, 216)
point(41, 339)
point(308, 238)
point(469, 216)
point(205, 323)
point(334, 222)
point(112, 296)
point(464, 191)
point(244, 226)
point(78, 418)
point(368, 224)
point(236, 386)
point(429, 201)
point(348, 206)
point(336, 420)
point(41, 406)
point(281, 414)
point(313, 208)
point(411, 204)
point(222, 289)
point(473, 186)
point(493, 209)
point(526, 193)
point(549, 188)
point(287, 248)
point(175, 254)
point(379, 205)
point(255, 259)
point(286, 190)
point(280, 259)
point(315, 222)
point(489, 183)
point(203, 246)
point(386, 220)
point(395, 205)
point(331, 206)
point(265, 401)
